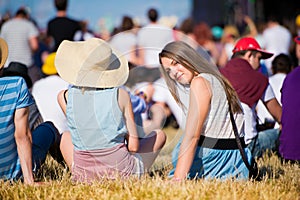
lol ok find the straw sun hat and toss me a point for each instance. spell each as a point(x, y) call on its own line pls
point(3, 52)
point(91, 63)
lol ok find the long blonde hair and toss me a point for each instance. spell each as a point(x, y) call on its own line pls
point(189, 58)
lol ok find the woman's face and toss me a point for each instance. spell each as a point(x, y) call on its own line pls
point(176, 71)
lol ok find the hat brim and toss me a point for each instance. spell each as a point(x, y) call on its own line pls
point(4, 52)
point(265, 54)
point(71, 68)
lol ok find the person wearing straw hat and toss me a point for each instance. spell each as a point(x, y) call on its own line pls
point(105, 141)
point(22, 151)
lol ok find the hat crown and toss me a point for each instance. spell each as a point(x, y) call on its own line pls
point(97, 55)
point(249, 43)
point(246, 43)
point(91, 63)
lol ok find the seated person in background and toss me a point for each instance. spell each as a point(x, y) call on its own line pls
point(252, 86)
point(281, 66)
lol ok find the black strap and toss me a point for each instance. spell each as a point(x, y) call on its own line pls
point(65, 96)
point(219, 143)
point(238, 140)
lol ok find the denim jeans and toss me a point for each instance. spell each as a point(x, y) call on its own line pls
point(265, 140)
point(42, 138)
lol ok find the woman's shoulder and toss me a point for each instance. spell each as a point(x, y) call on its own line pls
point(123, 97)
point(200, 83)
point(204, 77)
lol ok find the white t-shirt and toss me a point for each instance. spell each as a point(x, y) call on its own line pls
point(152, 38)
point(277, 40)
point(17, 33)
point(124, 42)
point(86, 35)
point(162, 94)
point(45, 93)
point(276, 82)
point(251, 115)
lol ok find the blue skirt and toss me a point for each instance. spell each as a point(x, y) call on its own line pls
point(215, 163)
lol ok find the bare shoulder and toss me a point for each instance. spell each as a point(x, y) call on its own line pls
point(200, 83)
point(123, 93)
point(123, 98)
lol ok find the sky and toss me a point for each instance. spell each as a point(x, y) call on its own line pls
point(92, 10)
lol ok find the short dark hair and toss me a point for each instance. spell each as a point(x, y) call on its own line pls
point(22, 12)
point(187, 26)
point(243, 52)
point(281, 63)
point(152, 14)
point(127, 23)
point(61, 5)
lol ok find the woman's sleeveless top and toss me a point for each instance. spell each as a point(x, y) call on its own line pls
point(94, 118)
point(218, 124)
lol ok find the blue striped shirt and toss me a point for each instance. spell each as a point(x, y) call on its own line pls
point(14, 95)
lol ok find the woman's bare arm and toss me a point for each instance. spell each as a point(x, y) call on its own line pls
point(200, 96)
point(62, 95)
point(126, 107)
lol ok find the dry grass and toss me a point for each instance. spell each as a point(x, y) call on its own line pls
point(281, 181)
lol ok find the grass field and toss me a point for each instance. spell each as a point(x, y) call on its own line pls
point(281, 181)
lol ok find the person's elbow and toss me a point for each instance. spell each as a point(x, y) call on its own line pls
point(34, 44)
point(22, 137)
point(133, 147)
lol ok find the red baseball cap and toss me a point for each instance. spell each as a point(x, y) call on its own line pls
point(249, 43)
point(297, 39)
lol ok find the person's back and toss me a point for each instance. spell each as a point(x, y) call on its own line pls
point(61, 27)
point(11, 87)
point(125, 41)
point(111, 130)
point(21, 37)
point(152, 38)
point(104, 143)
point(18, 69)
point(277, 39)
